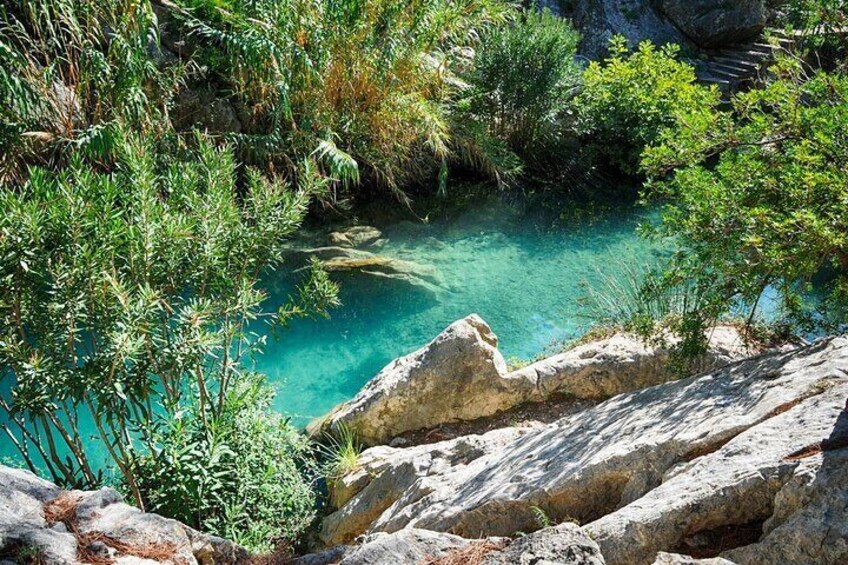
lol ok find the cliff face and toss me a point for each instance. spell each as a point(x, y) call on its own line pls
point(690, 23)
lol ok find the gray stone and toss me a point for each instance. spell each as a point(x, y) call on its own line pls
point(565, 544)
point(648, 469)
point(636, 20)
point(621, 363)
point(22, 524)
point(716, 23)
point(385, 475)
point(201, 108)
point(406, 547)
point(461, 376)
point(809, 523)
point(677, 559)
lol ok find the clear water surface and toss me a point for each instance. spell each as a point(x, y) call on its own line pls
point(525, 273)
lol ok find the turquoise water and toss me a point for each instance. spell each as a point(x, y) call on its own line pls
point(524, 273)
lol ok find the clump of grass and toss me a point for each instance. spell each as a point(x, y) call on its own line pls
point(341, 451)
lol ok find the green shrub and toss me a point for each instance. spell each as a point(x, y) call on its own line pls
point(244, 475)
point(630, 97)
point(523, 77)
point(126, 295)
point(757, 197)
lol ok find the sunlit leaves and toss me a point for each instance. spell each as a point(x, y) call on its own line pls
point(762, 201)
point(629, 98)
point(127, 294)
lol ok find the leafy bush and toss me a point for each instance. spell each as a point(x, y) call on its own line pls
point(126, 295)
point(629, 98)
point(368, 83)
point(524, 75)
point(756, 196)
point(245, 475)
point(822, 23)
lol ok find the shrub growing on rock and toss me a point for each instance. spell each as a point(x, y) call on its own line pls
point(244, 475)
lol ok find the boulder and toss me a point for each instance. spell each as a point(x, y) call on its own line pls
point(37, 516)
point(664, 558)
point(455, 376)
point(621, 363)
point(715, 23)
point(659, 469)
point(461, 376)
point(637, 21)
point(566, 544)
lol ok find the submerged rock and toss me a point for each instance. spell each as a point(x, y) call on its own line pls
point(659, 469)
point(355, 236)
point(38, 517)
point(348, 259)
point(462, 376)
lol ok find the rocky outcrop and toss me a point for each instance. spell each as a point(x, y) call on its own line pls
point(621, 363)
point(715, 23)
point(386, 474)
point(758, 447)
point(599, 20)
point(462, 376)
point(58, 527)
point(736, 488)
point(690, 23)
point(440, 382)
point(565, 544)
point(203, 109)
